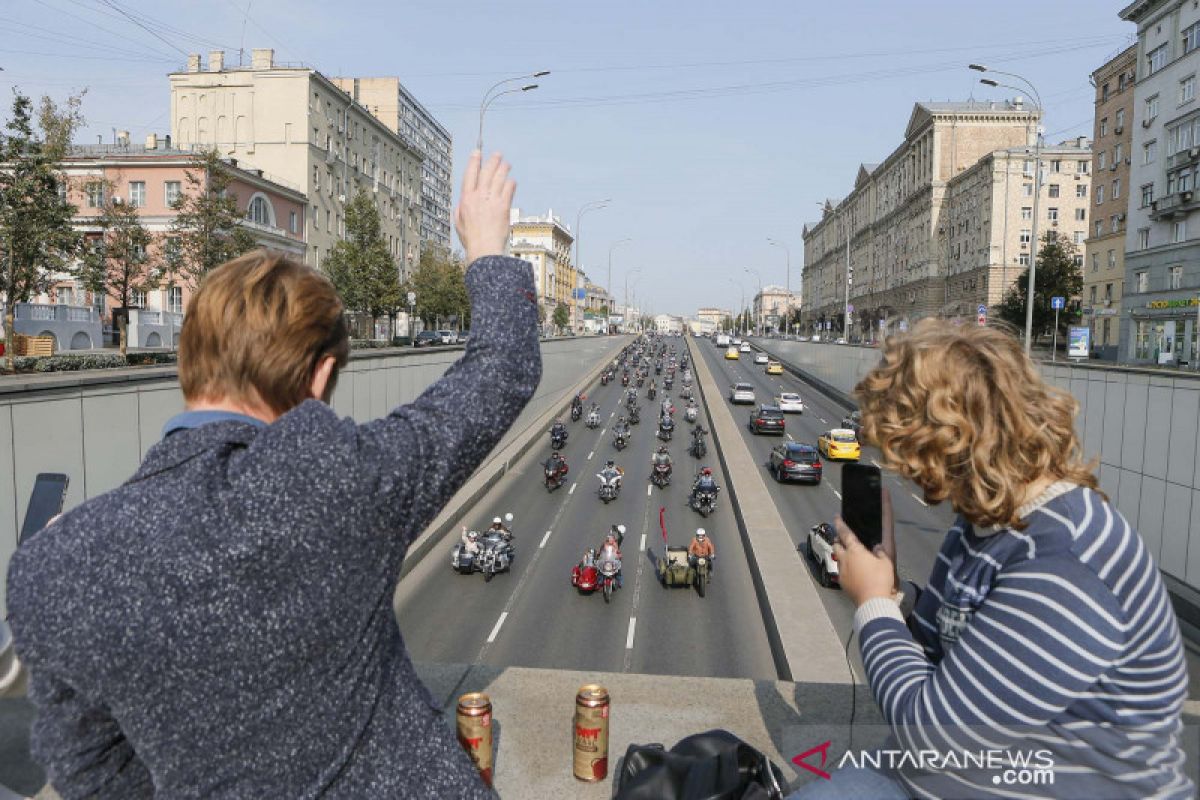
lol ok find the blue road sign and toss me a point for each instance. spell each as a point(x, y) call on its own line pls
point(1058, 303)
point(983, 310)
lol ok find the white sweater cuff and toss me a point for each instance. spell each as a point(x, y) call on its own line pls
point(876, 608)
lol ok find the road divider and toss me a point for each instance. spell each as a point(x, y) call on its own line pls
point(803, 641)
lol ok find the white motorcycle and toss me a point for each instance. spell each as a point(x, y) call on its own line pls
point(690, 414)
point(495, 553)
point(610, 486)
point(593, 419)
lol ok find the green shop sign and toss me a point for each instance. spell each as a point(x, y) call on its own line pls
point(1173, 303)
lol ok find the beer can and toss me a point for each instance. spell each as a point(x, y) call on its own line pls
point(591, 733)
point(474, 722)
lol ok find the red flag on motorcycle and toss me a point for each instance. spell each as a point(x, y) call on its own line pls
point(662, 523)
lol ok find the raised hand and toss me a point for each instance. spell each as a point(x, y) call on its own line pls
point(482, 216)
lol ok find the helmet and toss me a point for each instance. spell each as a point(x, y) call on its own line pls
point(621, 529)
point(700, 534)
point(610, 537)
point(824, 528)
point(496, 520)
point(473, 535)
point(708, 471)
point(609, 463)
point(662, 448)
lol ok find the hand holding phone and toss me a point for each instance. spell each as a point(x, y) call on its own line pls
point(862, 503)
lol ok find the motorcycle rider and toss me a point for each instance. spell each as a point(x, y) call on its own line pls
point(470, 542)
point(593, 416)
point(704, 483)
point(662, 456)
point(611, 470)
point(667, 408)
point(556, 464)
point(499, 527)
point(559, 431)
point(701, 545)
point(577, 405)
point(611, 550)
point(622, 427)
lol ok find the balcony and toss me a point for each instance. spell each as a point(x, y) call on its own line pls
point(1170, 205)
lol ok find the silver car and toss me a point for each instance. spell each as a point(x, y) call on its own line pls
point(741, 393)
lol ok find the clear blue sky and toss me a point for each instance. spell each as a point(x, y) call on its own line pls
point(712, 125)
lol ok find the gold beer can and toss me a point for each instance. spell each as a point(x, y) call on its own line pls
point(474, 722)
point(591, 733)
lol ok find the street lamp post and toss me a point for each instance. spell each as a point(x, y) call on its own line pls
point(592, 205)
point(788, 286)
point(489, 98)
point(612, 247)
point(741, 308)
point(633, 271)
point(1037, 188)
point(758, 318)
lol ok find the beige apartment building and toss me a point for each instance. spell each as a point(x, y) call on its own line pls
point(306, 133)
point(713, 317)
point(1104, 257)
point(986, 233)
point(899, 258)
point(772, 304)
point(546, 243)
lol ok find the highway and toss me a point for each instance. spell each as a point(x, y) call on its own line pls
point(920, 529)
point(533, 617)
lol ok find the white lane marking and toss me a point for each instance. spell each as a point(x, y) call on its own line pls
point(496, 630)
point(919, 500)
point(822, 420)
point(613, 414)
point(876, 464)
point(572, 489)
point(544, 540)
point(629, 636)
point(789, 437)
point(650, 490)
point(643, 542)
point(602, 430)
point(835, 491)
point(591, 454)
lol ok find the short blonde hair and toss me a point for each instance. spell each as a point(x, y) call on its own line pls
point(964, 413)
point(256, 329)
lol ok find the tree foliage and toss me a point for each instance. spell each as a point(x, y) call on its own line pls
point(1057, 276)
point(562, 316)
point(360, 266)
point(37, 239)
point(439, 282)
point(117, 262)
point(207, 227)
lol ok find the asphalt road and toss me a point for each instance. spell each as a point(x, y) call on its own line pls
point(533, 617)
point(920, 529)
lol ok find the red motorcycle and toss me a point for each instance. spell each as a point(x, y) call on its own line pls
point(588, 576)
point(555, 476)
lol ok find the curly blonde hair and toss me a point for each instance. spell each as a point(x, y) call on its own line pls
point(963, 412)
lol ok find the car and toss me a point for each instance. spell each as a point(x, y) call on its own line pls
point(761, 358)
point(801, 338)
point(774, 368)
point(820, 550)
point(736, 342)
point(842, 341)
point(741, 393)
point(795, 461)
point(731, 354)
point(853, 422)
point(839, 443)
point(744, 347)
point(722, 340)
point(790, 403)
point(448, 336)
point(427, 339)
point(767, 419)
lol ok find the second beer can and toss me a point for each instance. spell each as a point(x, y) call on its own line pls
point(473, 720)
point(591, 733)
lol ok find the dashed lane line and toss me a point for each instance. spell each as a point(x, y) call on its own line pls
point(919, 500)
point(643, 547)
point(544, 540)
point(572, 489)
point(589, 458)
point(650, 490)
point(629, 636)
point(496, 630)
point(835, 491)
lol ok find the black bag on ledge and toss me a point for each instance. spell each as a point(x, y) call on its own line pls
point(715, 765)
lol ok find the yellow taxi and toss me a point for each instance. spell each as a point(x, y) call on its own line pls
point(774, 368)
point(732, 353)
point(839, 444)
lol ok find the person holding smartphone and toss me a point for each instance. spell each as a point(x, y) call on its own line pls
point(221, 625)
point(1044, 628)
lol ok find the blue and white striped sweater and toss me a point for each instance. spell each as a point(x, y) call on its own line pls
point(1059, 637)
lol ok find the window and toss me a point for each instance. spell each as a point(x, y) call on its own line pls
point(1026, 236)
point(1191, 38)
point(172, 190)
point(1078, 260)
point(1054, 190)
point(137, 298)
point(1079, 237)
point(1143, 238)
point(137, 194)
point(1120, 124)
point(1151, 107)
point(1112, 258)
point(1023, 259)
point(1092, 294)
point(1176, 275)
point(1103, 131)
point(1108, 293)
point(1055, 165)
point(175, 299)
point(260, 212)
point(1081, 215)
point(1028, 168)
point(292, 221)
point(1099, 228)
point(1052, 214)
point(171, 248)
point(1156, 59)
point(316, 177)
point(1147, 195)
point(1114, 223)
point(63, 295)
point(1027, 189)
point(1187, 89)
point(95, 194)
point(1081, 190)
point(1118, 153)
point(1178, 231)
point(1026, 212)
point(1142, 280)
point(1099, 195)
point(1184, 180)
point(1104, 94)
point(1082, 167)
point(1102, 159)
point(1095, 262)
point(1149, 152)
point(1116, 189)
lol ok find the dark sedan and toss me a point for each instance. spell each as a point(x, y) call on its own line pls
point(792, 461)
point(767, 419)
point(428, 339)
point(853, 421)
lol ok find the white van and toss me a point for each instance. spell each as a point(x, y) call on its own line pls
point(722, 340)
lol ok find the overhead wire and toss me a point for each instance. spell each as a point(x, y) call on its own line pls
point(93, 25)
point(48, 34)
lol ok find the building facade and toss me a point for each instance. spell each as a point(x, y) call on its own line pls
point(1113, 192)
point(986, 232)
point(391, 102)
point(668, 324)
point(550, 240)
point(149, 178)
point(1162, 240)
point(713, 317)
point(308, 134)
point(772, 305)
point(889, 226)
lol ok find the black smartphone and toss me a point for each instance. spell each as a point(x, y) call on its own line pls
point(862, 502)
point(45, 501)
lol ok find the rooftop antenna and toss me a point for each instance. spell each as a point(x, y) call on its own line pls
point(242, 43)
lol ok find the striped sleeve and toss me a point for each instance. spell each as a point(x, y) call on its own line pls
point(1045, 633)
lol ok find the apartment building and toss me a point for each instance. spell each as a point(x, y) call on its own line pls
point(772, 305)
point(711, 318)
point(1162, 240)
point(545, 241)
point(396, 107)
point(899, 259)
point(294, 123)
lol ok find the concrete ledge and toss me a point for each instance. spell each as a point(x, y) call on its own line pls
point(806, 646)
point(829, 390)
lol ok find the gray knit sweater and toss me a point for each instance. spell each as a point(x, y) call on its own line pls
point(221, 625)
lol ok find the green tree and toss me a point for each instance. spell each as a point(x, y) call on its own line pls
point(1057, 276)
point(116, 263)
point(360, 266)
point(207, 228)
point(36, 235)
point(439, 282)
point(562, 316)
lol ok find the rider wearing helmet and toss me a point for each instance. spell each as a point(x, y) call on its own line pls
point(498, 526)
point(622, 426)
point(470, 541)
point(556, 463)
point(701, 545)
point(661, 456)
point(611, 549)
point(611, 470)
point(559, 430)
point(705, 482)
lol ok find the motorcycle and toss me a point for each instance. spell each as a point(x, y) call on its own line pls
point(704, 502)
point(666, 427)
point(625, 379)
point(699, 448)
point(495, 554)
point(635, 415)
point(690, 414)
point(604, 378)
point(558, 439)
point(576, 411)
point(641, 381)
point(661, 475)
point(593, 419)
point(608, 575)
point(585, 577)
point(620, 439)
point(652, 392)
point(554, 477)
point(610, 487)
point(701, 572)
point(668, 382)
point(685, 393)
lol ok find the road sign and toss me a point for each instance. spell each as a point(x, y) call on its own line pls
point(982, 310)
point(1079, 342)
point(1058, 303)
point(982, 320)
point(849, 309)
point(412, 298)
